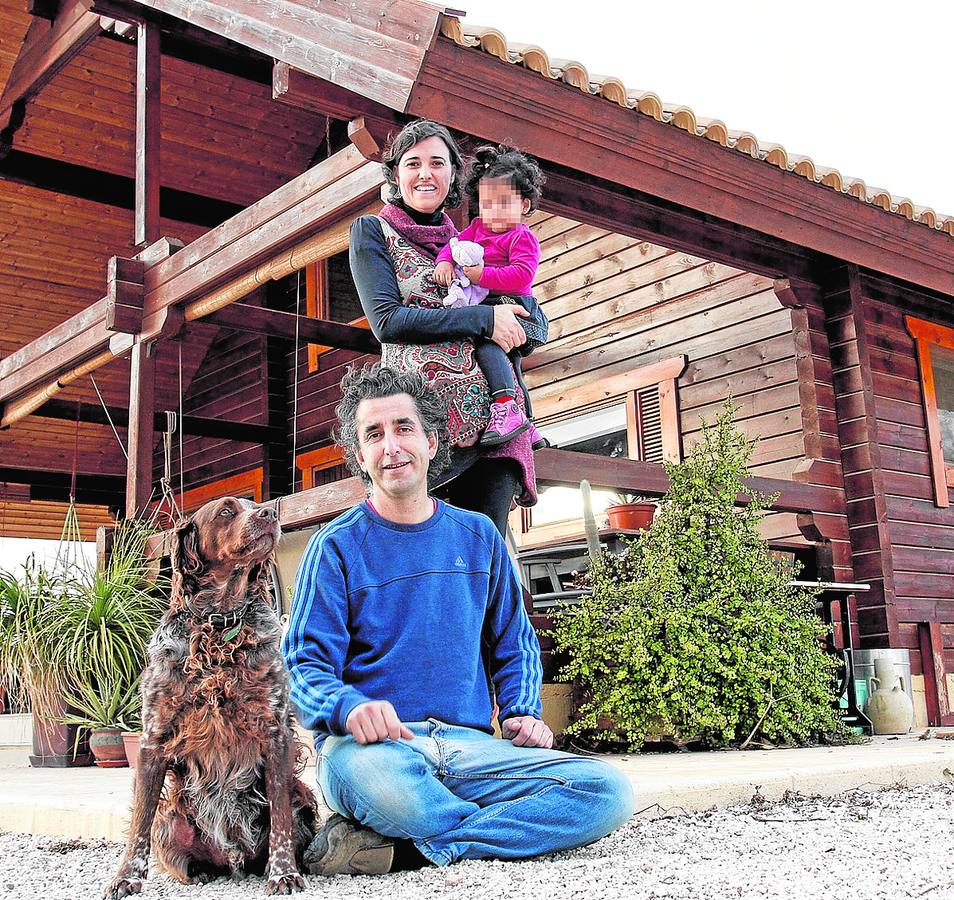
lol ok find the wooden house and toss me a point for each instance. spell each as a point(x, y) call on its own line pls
point(176, 184)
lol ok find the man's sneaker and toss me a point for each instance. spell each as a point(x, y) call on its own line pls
point(506, 422)
point(343, 847)
point(537, 440)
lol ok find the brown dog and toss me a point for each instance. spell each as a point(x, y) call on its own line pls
point(216, 721)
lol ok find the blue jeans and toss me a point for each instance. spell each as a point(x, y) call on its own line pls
point(459, 793)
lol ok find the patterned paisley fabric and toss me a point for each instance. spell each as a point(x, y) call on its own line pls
point(449, 367)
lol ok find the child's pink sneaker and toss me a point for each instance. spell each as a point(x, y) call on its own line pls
point(537, 440)
point(506, 422)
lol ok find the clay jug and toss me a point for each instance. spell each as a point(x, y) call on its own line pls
point(888, 706)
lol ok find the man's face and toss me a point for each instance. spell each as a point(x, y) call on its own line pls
point(393, 448)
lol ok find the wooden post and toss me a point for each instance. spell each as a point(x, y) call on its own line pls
point(148, 99)
point(142, 390)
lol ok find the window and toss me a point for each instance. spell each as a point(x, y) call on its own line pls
point(935, 350)
point(330, 294)
point(244, 485)
point(321, 466)
point(634, 415)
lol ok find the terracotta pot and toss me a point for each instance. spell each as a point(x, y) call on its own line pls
point(55, 745)
point(107, 747)
point(131, 746)
point(631, 515)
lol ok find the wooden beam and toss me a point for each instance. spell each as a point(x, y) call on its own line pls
point(470, 90)
point(258, 320)
point(47, 47)
point(141, 432)
point(112, 190)
point(148, 126)
point(90, 488)
point(201, 48)
point(199, 426)
point(375, 50)
point(593, 201)
point(568, 467)
point(124, 294)
point(299, 89)
point(319, 504)
point(329, 192)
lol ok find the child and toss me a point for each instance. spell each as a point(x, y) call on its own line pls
point(506, 185)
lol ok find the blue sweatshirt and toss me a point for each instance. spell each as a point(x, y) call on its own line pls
point(415, 614)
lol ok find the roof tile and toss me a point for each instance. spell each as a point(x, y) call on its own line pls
point(493, 41)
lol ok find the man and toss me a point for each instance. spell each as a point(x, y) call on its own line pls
point(403, 607)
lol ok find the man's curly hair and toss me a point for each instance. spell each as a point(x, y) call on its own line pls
point(373, 382)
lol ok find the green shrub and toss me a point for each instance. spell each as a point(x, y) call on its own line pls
point(693, 632)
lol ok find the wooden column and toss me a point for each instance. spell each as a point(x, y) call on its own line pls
point(148, 99)
point(142, 390)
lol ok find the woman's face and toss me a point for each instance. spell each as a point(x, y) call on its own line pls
point(424, 175)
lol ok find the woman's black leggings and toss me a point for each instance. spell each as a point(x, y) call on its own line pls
point(487, 487)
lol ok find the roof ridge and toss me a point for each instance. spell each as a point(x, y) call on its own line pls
point(493, 41)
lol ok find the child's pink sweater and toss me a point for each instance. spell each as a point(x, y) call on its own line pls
point(510, 259)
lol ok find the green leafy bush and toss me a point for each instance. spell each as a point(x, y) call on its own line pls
point(693, 632)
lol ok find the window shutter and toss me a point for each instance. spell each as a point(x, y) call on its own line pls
point(649, 425)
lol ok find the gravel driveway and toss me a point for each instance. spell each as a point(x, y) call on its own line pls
point(893, 844)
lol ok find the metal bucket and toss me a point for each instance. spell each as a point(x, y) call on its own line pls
point(863, 664)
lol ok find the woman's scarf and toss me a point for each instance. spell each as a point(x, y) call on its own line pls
point(429, 239)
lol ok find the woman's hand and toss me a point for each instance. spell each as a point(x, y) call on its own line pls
point(508, 332)
point(443, 273)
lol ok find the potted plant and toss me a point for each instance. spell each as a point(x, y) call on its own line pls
point(694, 631)
point(29, 599)
point(630, 512)
point(104, 626)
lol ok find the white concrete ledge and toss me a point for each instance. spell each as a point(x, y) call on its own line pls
point(94, 803)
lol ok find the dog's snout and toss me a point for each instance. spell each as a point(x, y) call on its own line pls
point(267, 512)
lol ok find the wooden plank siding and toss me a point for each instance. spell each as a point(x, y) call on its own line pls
point(228, 385)
point(43, 519)
point(917, 538)
point(616, 303)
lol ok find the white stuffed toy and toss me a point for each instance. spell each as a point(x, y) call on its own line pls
point(461, 292)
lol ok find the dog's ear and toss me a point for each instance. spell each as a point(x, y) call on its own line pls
point(185, 549)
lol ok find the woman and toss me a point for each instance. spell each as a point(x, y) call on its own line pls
point(392, 261)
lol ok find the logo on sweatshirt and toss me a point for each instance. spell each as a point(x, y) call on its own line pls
point(459, 562)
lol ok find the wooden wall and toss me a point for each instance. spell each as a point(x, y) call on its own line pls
point(903, 542)
point(615, 304)
point(43, 519)
point(232, 384)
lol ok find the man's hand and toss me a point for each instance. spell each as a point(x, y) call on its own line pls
point(376, 721)
point(473, 273)
point(526, 731)
point(508, 332)
point(443, 273)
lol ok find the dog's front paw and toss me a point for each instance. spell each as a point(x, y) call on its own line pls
point(122, 886)
point(288, 883)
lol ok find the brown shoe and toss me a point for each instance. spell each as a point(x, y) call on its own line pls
point(343, 847)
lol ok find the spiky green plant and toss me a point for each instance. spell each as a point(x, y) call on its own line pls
point(102, 629)
point(27, 601)
point(74, 634)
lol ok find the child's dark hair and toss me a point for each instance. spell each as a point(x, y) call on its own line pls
point(506, 162)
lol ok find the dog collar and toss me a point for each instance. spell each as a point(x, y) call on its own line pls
point(224, 620)
point(230, 620)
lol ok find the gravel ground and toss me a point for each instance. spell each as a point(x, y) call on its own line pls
point(893, 844)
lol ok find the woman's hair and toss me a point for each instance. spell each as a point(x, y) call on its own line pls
point(373, 382)
point(506, 162)
point(411, 134)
